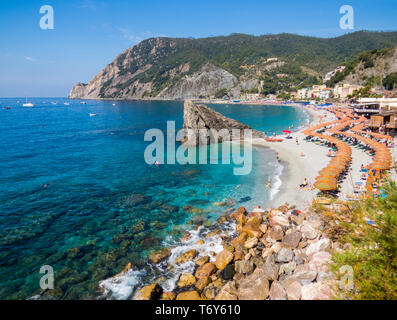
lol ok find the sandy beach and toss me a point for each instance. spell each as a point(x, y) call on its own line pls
point(297, 167)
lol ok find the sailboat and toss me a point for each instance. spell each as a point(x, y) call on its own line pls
point(28, 104)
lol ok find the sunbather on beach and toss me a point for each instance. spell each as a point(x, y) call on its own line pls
point(304, 184)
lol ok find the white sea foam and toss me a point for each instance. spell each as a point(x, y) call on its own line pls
point(121, 287)
point(276, 185)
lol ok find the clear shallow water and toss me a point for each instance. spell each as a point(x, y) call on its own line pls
point(76, 193)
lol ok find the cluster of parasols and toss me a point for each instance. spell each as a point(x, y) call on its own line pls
point(382, 160)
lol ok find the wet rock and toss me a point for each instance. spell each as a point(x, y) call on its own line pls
point(187, 256)
point(276, 233)
point(186, 237)
point(239, 216)
point(200, 242)
point(244, 266)
point(294, 290)
point(277, 291)
point(317, 291)
point(152, 292)
point(185, 280)
point(213, 233)
point(188, 295)
point(228, 273)
point(252, 227)
point(168, 296)
point(205, 270)
point(202, 260)
point(292, 239)
point(202, 283)
point(284, 255)
point(223, 259)
point(240, 240)
point(309, 232)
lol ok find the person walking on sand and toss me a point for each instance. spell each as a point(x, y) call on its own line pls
point(297, 141)
point(277, 157)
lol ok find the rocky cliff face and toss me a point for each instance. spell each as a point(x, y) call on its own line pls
point(383, 65)
point(200, 117)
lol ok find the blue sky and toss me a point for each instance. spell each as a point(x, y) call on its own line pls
point(89, 34)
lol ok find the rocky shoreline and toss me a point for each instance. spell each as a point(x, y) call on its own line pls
point(277, 254)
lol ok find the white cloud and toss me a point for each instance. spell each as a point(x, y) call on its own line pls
point(138, 38)
point(30, 59)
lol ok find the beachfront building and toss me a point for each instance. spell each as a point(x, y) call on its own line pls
point(376, 105)
point(345, 90)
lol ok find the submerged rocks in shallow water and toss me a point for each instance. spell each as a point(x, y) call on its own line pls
point(138, 227)
point(159, 255)
point(167, 208)
point(136, 200)
point(192, 210)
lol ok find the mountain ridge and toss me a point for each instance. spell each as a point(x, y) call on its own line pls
point(184, 68)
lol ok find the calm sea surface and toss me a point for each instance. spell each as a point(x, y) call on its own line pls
point(76, 193)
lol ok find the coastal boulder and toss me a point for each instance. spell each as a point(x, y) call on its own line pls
point(239, 240)
point(277, 291)
point(160, 255)
point(253, 287)
point(276, 233)
point(277, 218)
point(187, 256)
point(292, 239)
point(205, 270)
point(223, 259)
point(294, 291)
point(244, 266)
point(284, 255)
point(188, 295)
point(317, 291)
point(185, 280)
point(252, 227)
point(152, 292)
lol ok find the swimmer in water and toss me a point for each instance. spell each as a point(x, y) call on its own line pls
point(156, 163)
point(268, 185)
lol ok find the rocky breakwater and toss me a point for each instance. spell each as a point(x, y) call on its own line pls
point(203, 125)
point(280, 254)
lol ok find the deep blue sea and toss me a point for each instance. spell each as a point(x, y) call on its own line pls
point(76, 193)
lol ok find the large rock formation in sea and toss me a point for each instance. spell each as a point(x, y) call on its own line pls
point(198, 117)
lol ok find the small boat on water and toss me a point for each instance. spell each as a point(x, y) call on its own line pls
point(92, 114)
point(67, 104)
point(83, 102)
point(28, 104)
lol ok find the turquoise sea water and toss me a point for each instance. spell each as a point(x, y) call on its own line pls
point(76, 193)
